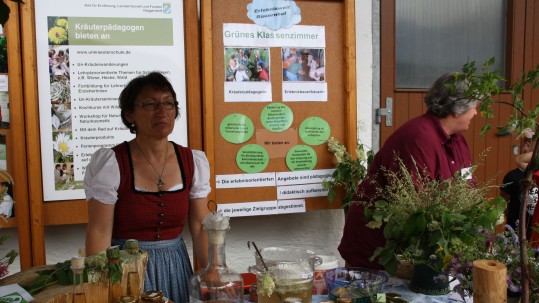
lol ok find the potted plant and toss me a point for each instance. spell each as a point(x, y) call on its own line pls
point(350, 169)
point(425, 220)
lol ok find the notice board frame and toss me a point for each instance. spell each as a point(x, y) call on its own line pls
point(343, 120)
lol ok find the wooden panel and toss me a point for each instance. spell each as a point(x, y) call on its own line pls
point(32, 132)
point(387, 67)
point(194, 88)
point(17, 147)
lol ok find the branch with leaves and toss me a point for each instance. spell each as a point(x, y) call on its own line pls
point(484, 85)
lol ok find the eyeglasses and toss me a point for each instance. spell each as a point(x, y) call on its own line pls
point(155, 105)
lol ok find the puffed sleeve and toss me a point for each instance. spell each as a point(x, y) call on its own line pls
point(201, 177)
point(102, 177)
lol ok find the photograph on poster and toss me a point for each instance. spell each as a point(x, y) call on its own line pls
point(58, 30)
point(59, 62)
point(6, 204)
point(4, 109)
point(304, 64)
point(3, 54)
point(3, 153)
point(60, 88)
point(63, 162)
point(247, 64)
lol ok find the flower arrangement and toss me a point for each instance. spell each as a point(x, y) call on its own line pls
point(349, 171)
point(503, 247)
point(425, 220)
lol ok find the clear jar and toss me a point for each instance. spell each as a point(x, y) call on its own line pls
point(77, 266)
point(216, 282)
point(290, 268)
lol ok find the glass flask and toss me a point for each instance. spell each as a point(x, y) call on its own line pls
point(216, 282)
point(77, 266)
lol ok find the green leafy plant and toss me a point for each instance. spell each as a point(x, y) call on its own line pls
point(349, 170)
point(424, 219)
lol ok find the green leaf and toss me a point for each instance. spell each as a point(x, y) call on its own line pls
point(415, 224)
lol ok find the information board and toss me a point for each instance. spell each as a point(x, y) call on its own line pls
point(278, 82)
point(87, 51)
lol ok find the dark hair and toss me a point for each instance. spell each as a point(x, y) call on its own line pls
point(447, 96)
point(129, 94)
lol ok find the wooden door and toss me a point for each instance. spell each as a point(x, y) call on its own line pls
point(522, 53)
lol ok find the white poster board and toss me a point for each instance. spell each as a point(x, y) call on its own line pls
point(87, 51)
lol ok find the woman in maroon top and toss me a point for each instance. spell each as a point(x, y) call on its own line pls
point(433, 140)
point(148, 188)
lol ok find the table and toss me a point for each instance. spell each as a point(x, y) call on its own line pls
point(400, 286)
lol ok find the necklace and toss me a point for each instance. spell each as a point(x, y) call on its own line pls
point(160, 182)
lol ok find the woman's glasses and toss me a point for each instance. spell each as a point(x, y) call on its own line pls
point(155, 105)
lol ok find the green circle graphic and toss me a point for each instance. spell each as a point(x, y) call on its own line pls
point(252, 158)
point(314, 131)
point(301, 157)
point(237, 128)
point(276, 117)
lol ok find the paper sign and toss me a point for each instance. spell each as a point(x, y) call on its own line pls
point(277, 144)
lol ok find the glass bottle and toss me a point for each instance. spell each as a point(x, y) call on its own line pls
point(115, 274)
point(134, 287)
point(77, 267)
point(216, 282)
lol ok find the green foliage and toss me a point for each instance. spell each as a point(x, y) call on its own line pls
point(61, 274)
point(423, 219)
point(96, 269)
point(349, 171)
point(484, 85)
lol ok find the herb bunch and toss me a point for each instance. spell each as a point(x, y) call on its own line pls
point(349, 170)
point(424, 219)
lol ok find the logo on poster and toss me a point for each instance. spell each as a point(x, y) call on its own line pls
point(167, 8)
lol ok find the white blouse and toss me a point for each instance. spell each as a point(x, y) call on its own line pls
point(102, 177)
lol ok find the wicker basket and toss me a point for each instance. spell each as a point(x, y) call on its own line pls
point(404, 270)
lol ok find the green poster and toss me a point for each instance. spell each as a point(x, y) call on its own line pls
point(314, 131)
point(252, 158)
point(276, 117)
point(301, 157)
point(237, 128)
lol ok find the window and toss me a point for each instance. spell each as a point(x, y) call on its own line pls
point(438, 36)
